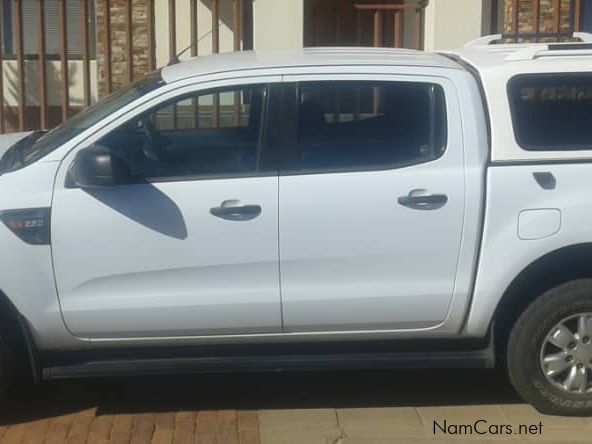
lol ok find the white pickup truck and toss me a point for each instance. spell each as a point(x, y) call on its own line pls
point(331, 207)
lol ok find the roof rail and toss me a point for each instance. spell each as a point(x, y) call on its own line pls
point(485, 40)
point(532, 52)
point(583, 37)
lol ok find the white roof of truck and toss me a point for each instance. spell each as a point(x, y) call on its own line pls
point(497, 63)
point(487, 56)
point(309, 57)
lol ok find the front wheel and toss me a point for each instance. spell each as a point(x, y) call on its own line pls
point(549, 352)
point(6, 365)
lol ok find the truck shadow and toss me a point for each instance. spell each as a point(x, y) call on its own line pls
point(260, 391)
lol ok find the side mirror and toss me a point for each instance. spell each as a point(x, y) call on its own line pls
point(97, 167)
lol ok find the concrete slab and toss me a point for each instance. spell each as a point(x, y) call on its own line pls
point(381, 423)
point(310, 426)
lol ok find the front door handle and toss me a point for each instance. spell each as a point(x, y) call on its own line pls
point(235, 211)
point(422, 200)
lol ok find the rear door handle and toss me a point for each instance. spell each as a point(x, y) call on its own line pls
point(235, 211)
point(422, 200)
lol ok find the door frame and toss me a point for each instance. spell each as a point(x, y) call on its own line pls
point(93, 134)
point(145, 103)
point(471, 234)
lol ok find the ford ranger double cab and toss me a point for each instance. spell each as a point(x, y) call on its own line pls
point(312, 209)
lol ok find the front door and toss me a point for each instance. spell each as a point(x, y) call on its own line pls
point(371, 204)
point(191, 246)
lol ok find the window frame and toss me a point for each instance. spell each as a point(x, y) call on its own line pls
point(290, 144)
point(268, 167)
point(512, 102)
point(66, 154)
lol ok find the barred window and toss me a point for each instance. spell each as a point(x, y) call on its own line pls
point(52, 28)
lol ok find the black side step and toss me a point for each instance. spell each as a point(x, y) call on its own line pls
point(299, 362)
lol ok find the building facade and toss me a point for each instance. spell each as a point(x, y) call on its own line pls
point(59, 56)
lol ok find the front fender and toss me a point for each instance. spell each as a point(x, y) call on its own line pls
point(26, 271)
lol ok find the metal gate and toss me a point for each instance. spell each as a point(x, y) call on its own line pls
point(543, 20)
point(48, 47)
point(390, 23)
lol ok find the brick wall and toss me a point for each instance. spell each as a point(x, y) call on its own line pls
point(526, 19)
point(119, 76)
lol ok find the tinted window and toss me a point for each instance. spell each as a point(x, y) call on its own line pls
point(348, 126)
point(210, 134)
point(552, 112)
point(40, 144)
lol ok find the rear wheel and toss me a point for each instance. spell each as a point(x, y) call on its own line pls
point(549, 352)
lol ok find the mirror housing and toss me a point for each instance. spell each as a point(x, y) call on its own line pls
point(97, 167)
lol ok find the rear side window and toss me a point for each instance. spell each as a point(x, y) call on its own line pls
point(552, 112)
point(359, 125)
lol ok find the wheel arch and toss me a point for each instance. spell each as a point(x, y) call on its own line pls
point(17, 325)
point(546, 272)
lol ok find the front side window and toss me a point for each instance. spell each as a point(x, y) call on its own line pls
point(349, 126)
point(552, 112)
point(200, 135)
point(41, 143)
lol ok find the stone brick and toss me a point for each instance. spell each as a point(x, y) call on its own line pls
point(118, 40)
point(547, 16)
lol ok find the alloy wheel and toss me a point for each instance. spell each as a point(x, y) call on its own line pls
point(566, 354)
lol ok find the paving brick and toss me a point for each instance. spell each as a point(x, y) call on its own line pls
point(206, 428)
point(227, 427)
point(36, 432)
point(58, 429)
point(100, 429)
point(248, 427)
point(121, 429)
point(164, 428)
point(143, 428)
point(185, 423)
point(80, 429)
point(58, 420)
point(15, 434)
point(164, 421)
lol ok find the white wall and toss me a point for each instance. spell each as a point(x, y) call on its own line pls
point(452, 23)
point(278, 24)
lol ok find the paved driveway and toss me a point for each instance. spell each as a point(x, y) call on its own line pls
point(304, 408)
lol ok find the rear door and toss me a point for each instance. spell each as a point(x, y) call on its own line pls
point(371, 203)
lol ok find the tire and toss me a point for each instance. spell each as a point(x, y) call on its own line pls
point(6, 365)
point(533, 343)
